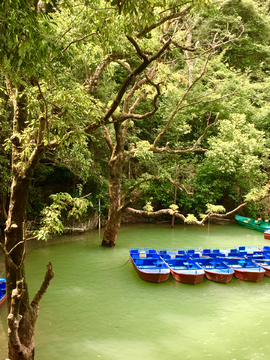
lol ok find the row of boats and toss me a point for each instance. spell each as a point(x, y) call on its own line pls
point(189, 266)
point(2, 290)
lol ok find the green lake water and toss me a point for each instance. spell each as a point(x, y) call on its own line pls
point(98, 308)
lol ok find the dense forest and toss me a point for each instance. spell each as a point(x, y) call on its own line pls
point(154, 108)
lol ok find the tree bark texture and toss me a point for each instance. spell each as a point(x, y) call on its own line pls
point(22, 314)
point(116, 164)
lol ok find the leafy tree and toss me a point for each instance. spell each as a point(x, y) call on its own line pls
point(43, 58)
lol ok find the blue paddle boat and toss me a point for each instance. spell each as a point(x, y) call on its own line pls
point(215, 269)
point(245, 269)
point(184, 269)
point(149, 265)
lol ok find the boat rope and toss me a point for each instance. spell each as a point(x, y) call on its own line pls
point(125, 263)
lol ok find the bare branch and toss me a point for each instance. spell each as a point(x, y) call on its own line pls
point(181, 187)
point(128, 81)
point(210, 214)
point(108, 138)
point(164, 131)
point(77, 40)
point(46, 282)
point(124, 64)
point(130, 190)
point(85, 196)
point(178, 15)
point(181, 216)
point(94, 79)
point(44, 100)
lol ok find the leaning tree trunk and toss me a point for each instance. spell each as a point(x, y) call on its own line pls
point(21, 318)
point(22, 314)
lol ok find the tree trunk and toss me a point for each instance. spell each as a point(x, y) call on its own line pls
point(21, 318)
point(116, 164)
point(115, 211)
point(22, 314)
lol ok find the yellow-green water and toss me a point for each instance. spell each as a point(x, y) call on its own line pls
point(96, 308)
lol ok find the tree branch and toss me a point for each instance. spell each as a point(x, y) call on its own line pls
point(77, 40)
point(108, 138)
point(130, 190)
point(163, 132)
point(94, 79)
point(46, 282)
point(181, 187)
point(173, 16)
point(127, 82)
point(181, 216)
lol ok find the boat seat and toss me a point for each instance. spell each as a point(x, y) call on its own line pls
point(181, 252)
point(138, 261)
point(242, 263)
point(134, 252)
point(206, 251)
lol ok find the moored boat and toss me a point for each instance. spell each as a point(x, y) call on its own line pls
point(245, 269)
point(149, 265)
point(215, 269)
point(3, 295)
point(184, 270)
point(255, 224)
point(267, 234)
point(262, 260)
point(265, 264)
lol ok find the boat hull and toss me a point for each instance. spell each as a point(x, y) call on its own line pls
point(267, 234)
point(3, 300)
point(265, 267)
point(154, 277)
point(219, 277)
point(267, 270)
point(188, 278)
point(253, 276)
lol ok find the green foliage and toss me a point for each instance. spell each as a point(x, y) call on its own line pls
point(215, 208)
point(257, 194)
point(142, 150)
point(191, 219)
point(52, 222)
point(148, 207)
point(237, 147)
point(26, 39)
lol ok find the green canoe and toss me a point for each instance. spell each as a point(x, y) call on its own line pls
point(257, 224)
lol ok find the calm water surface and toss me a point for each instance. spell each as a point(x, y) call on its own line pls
point(97, 307)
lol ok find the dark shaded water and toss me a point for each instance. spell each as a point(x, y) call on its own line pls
point(98, 308)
